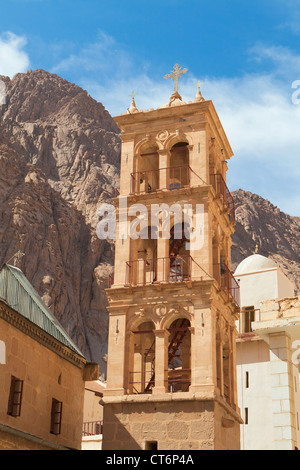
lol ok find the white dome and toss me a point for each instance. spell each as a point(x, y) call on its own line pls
point(254, 263)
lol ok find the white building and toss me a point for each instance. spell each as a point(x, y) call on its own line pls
point(268, 380)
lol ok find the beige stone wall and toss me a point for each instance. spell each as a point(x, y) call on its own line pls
point(182, 425)
point(11, 442)
point(287, 307)
point(46, 375)
point(93, 411)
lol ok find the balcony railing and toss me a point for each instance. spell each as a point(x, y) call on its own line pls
point(218, 183)
point(92, 428)
point(179, 380)
point(227, 281)
point(177, 268)
point(149, 181)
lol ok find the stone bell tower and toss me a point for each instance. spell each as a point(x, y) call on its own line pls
point(173, 301)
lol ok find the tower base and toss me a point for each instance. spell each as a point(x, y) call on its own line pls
point(178, 421)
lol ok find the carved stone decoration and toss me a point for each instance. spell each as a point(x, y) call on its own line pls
point(162, 136)
point(141, 312)
point(160, 310)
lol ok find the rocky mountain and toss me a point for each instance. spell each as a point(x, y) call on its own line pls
point(277, 234)
point(59, 160)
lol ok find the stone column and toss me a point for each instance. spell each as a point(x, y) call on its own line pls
point(230, 364)
point(162, 260)
point(164, 159)
point(129, 362)
point(161, 361)
point(116, 354)
point(122, 244)
point(234, 369)
point(283, 400)
point(203, 344)
point(219, 358)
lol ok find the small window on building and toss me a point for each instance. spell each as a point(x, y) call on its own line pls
point(247, 379)
point(15, 397)
point(151, 445)
point(248, 318)
point(56, 414)
point(246, 416)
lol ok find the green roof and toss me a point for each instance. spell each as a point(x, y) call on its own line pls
point(17, 292)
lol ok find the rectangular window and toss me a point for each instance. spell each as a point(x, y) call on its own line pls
point(247, 379)
point(56, 414)
point(248, 318)
point(151, 445)
point(15, 397)
point(246, 416)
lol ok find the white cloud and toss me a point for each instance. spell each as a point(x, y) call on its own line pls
point(13, 58)
point(103, 56)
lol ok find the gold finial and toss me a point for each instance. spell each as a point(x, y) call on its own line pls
point(175, 74)
point(256, 249)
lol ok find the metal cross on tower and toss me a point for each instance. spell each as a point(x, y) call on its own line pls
point(198, 84)
point(133, 95)
point(175, 74)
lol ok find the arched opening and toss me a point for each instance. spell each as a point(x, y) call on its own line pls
point(179, 255)
point(179, 172)
point(142, 375)
point(142, 269)
point(146, 177)
point(179, 356)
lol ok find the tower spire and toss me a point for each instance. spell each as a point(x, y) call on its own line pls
point(198, 97)
point(133, 108)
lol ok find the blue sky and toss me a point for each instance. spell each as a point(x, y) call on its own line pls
point(247, 54)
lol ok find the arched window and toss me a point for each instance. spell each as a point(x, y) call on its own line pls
point(142, 268)
point(142, 375)
point(180, 263)
point(179, 356)
point(146, 177)
point(179, 172)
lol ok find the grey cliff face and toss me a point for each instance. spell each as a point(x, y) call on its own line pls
point(59, 159)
